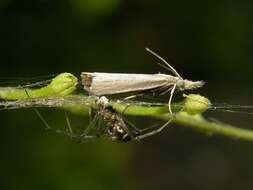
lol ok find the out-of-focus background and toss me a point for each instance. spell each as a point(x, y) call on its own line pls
point(204, 40)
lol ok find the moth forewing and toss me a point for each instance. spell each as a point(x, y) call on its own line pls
point(115, 83)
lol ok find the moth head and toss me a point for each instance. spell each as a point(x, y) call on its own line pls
point(189, 85)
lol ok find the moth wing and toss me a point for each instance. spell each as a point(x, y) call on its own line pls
point(116, 83)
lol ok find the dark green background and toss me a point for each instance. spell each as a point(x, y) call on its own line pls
point(204, 40)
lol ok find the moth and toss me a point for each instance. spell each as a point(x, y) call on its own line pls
point(100, 84)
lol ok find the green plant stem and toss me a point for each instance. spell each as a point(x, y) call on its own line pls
point(196, 122)
point(58, 94)
point(62, 85)
point(81, 104)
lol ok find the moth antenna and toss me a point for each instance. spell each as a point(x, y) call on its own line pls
point(167, 65)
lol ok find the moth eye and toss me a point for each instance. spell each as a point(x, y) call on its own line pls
point(180, 84)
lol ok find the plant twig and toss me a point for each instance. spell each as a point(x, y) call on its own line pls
point(189, 120)
point(59, 94)
point(62, 85)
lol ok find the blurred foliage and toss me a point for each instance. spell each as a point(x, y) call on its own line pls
point(3, 2)
point(95, 9)
point(204, 40)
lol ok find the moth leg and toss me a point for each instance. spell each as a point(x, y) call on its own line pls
point(133, 96)
point(166, 91)
point(170, 99)
point(172, 91)
point(153, 132)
